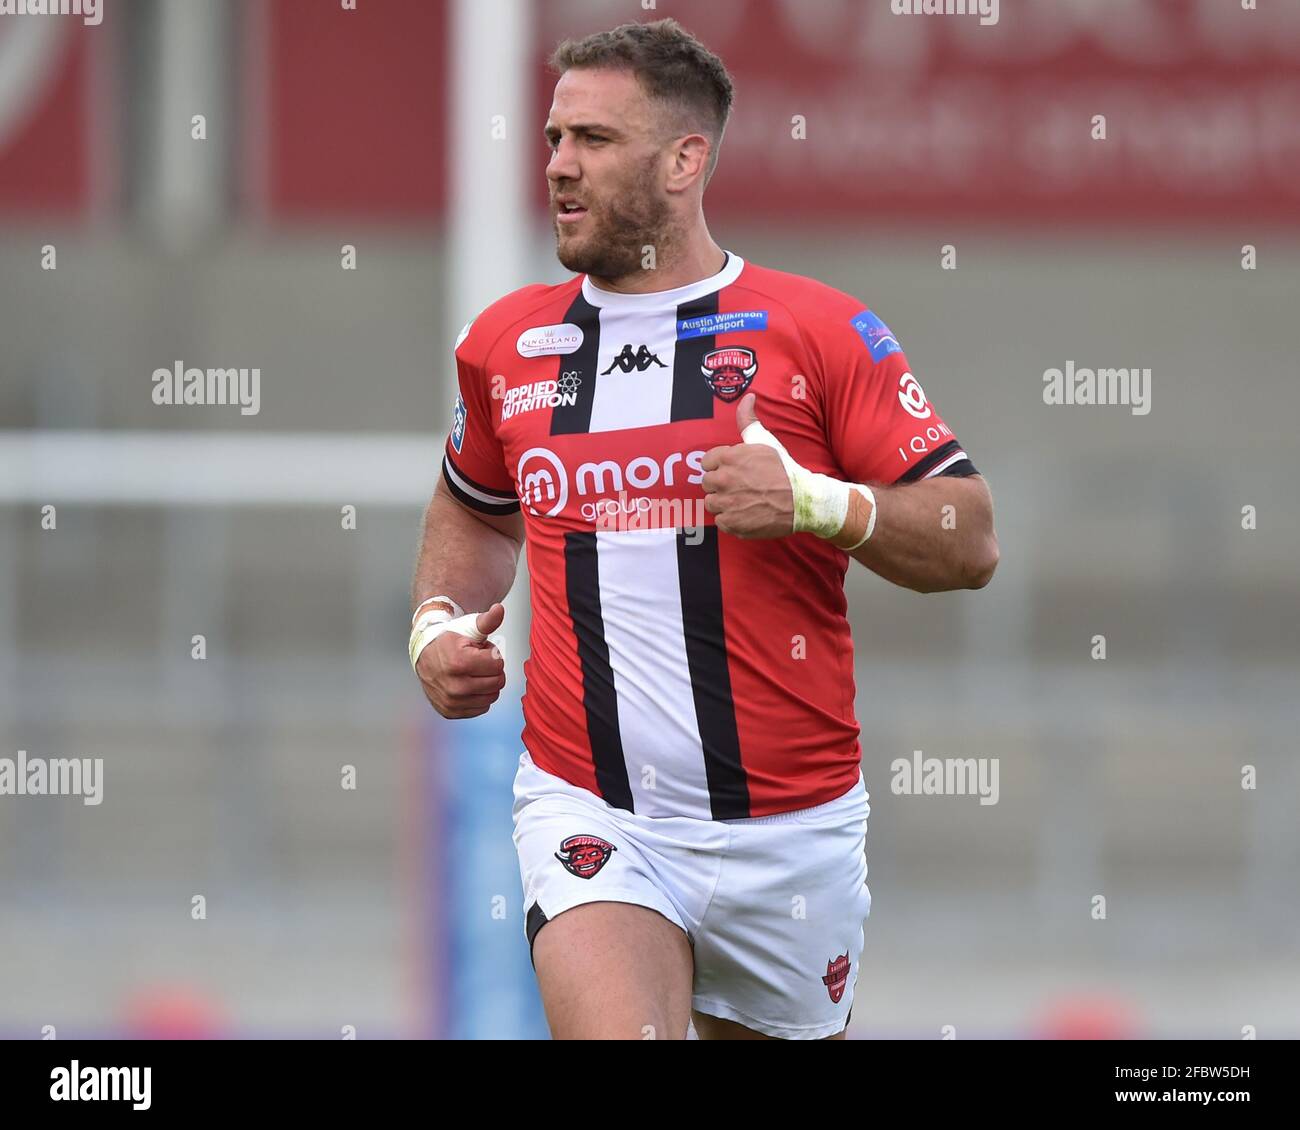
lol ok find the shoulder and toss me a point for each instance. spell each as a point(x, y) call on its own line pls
point(828, 320)
point(536, 305)
point(807, 300)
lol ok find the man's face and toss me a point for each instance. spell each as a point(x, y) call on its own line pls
point(606, 173)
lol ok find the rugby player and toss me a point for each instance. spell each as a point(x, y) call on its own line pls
point(692, 447)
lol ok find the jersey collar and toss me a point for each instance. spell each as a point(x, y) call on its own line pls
point(657, 299)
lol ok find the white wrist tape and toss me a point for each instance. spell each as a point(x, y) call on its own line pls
point(459, 611)
point(821, 503)
point(434, 622)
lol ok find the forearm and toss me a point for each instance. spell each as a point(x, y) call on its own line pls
point(463, 557)
point(933, 536)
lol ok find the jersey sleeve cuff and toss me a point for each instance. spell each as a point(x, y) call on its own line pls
point(484, 499)
point(948, 460)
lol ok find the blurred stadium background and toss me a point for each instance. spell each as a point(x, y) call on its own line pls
point(380, 907)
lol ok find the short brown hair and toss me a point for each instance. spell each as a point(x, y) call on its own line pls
point(671, 65)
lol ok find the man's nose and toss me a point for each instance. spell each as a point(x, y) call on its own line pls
point(563, 165)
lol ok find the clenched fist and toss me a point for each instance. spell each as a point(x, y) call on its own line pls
point(746, 486)
point(463, 677)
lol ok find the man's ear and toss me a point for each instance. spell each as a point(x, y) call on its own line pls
point(690, 162)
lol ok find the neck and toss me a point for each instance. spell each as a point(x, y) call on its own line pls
point(697, 257)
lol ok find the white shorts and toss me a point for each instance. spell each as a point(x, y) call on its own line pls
point(774, 906)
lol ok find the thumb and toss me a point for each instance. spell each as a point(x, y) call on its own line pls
point(745, 414)
point(489, 621)
point(752, 431)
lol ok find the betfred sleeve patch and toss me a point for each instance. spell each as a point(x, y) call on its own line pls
point(878, 336)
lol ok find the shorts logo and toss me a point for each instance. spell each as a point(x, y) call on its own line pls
point(584, 856)
point(458, 425)
point(729, 371)
point(837, 977)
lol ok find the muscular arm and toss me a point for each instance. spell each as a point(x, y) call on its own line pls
point(917, 541)
point(472, 559)
point(923, 545)
point(467, 556)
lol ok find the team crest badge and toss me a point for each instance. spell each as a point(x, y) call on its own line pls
point(837, 977)
point(584, 856)
point(729, 371)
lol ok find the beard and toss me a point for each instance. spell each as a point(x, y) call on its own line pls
point(618, 230)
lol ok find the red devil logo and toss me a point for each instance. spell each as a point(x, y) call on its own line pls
point(584, 856)
point(729, 371)
point(837, 977)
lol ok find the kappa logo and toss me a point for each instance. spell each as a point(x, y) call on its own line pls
point(584, 855)
point(837, 977)
point(640, 361)
point(729, 371)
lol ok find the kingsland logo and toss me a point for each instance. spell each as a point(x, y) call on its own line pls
point(544, 480)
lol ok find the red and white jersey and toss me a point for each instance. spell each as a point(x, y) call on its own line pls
point(676, 670)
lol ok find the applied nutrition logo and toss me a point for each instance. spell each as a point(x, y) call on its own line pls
point(558, 393)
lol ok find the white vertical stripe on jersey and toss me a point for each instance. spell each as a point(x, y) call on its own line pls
point(635, 399)
point(641, 606)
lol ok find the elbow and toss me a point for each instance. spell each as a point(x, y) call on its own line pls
point(983, 565)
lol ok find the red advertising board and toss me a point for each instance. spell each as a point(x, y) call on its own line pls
point(354, 107)
point(847, 110)
point(916, 115)
point(45, 131)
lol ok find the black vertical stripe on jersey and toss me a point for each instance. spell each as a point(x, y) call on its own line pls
point(599, 697)
point(692, 397)
point(700, 575)
point(575, 419)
